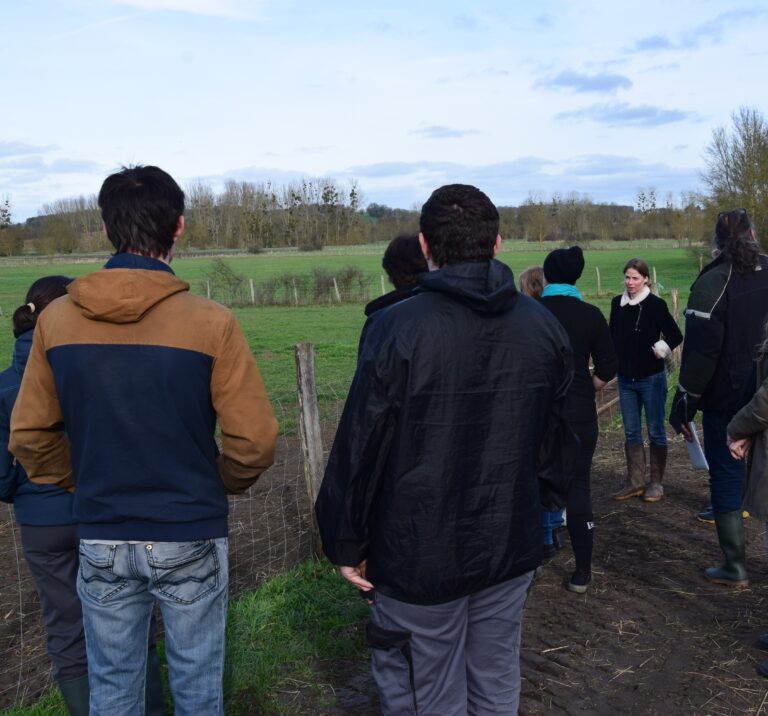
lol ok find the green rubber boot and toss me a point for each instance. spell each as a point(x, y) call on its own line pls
point(730, 534)
point(76, 695)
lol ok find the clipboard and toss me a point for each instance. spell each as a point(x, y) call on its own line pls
point(695, 451)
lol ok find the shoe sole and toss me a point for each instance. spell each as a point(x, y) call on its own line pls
point(740, 584)
point(711, 520)
point(577, 588)
point(651, 499)
point(621, 498)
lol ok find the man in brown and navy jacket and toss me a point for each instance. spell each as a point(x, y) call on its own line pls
point(126, 380)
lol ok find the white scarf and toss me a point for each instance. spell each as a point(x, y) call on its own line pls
point(641, 295)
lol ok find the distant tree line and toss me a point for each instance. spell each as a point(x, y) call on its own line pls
point(311, 214)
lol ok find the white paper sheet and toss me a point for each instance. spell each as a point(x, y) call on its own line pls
point(695, 452)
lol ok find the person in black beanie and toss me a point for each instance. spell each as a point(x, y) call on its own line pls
point(588, 332)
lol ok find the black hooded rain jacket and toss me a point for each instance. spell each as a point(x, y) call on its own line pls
point(432, 475)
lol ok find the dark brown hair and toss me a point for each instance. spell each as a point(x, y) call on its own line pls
point(735, 237)
point(40, 294)
point(639, 265)
point(141, 207)
point(459, 223)
point(403, 260)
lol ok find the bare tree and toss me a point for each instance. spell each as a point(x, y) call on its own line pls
point(737, 166)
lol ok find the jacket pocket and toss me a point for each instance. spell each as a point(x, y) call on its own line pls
point(389, 639)
point(97, 572)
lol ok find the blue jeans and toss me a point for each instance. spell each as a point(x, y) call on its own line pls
point(644, 393)
point(118, 586)
point(551, 521)
point(726, 475)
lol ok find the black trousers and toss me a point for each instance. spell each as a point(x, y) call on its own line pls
point(52, 556)
point(579, 497)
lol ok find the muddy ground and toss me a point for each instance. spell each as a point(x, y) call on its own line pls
point(269, 533)
point(650, 637)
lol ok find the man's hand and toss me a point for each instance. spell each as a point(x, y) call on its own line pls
point(684, 408)
point(739, 448)
point(356, 576)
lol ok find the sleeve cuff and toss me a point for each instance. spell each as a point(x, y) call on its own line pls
point(661, 349)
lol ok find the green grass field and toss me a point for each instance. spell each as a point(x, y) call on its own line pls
point(269, 641)
point(272, 331)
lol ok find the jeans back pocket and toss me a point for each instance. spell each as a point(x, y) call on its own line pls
point(184, 572)
point(97, 571)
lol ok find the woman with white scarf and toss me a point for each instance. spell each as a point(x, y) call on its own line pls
point(644, 334)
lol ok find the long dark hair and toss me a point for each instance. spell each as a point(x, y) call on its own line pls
point(40, 294)
point(735, 238)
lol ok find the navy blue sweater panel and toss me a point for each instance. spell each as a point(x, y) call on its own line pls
point(152, 480)
point(34, 505)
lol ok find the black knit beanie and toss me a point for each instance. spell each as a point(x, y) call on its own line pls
point(564, 265)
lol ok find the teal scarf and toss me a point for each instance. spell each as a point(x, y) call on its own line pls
point(561, 289)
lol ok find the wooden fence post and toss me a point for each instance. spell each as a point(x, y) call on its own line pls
point(253, 293)
point(336, 290)
point(295, 293)
point(383, 290)
point(208, 289)
point(599, 287)
point(701, 262)
point(309, 432)
point(678, 352)
point(655, 284)
point(676, 305)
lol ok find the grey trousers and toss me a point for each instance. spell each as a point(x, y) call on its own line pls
point(51, 554)
point(453, 659)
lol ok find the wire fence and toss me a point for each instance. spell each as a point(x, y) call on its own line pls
point(269, 533)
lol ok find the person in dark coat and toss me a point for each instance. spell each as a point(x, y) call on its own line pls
point(430, 501)
point(644, 334)
point(590, 339)
point(404, 263)
point(724, 321)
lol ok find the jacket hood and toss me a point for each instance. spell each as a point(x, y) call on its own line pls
point(21, 350)
point(484, 286)
point(117, 295)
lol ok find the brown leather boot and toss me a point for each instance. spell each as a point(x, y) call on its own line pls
point(635, 453)
point(654, 492)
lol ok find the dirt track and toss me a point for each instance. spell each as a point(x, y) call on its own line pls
point(651, 636)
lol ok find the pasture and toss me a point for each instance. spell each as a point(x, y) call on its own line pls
point(334, 328)
point(269, 527)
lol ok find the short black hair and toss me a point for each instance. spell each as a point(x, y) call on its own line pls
point(403, 260)
point(459, 223)
point(140, 207)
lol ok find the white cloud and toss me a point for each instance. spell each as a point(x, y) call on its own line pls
point(232, 9)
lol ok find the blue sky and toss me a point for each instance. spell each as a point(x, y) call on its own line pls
point(516, 97)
